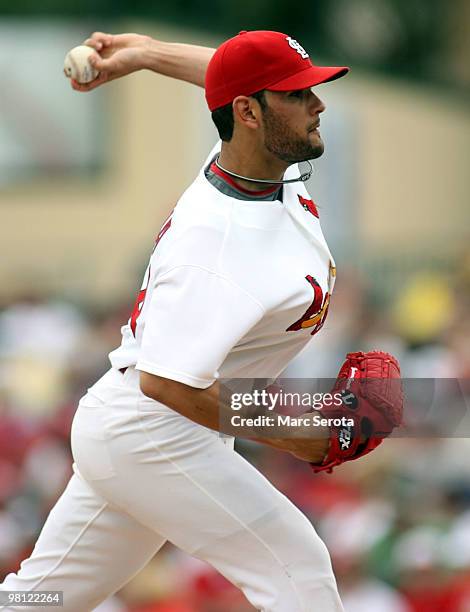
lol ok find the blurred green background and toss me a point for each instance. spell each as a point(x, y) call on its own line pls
point(87, 179)
point(405, 37)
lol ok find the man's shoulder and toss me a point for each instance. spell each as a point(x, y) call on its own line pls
point(198, 228)
point(202, 205)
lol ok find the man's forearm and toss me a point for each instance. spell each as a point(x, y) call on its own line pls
point(121, 54)
point(211, 408)
point(177, 60)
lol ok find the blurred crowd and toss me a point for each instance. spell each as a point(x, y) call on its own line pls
point(397, 523)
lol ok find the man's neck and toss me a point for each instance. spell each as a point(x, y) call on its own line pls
point(249, 163)
point(226, 184)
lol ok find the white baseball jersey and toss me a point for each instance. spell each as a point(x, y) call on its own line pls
point(233, 288)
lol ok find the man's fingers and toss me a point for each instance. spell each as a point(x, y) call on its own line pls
point(84, 87)
point(100, 63)
point(99, 40)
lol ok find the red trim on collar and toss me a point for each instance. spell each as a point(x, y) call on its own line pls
point(229, 180)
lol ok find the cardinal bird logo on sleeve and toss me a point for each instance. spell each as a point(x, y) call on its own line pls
point(309, 206)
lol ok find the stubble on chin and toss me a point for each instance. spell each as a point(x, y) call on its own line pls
point(295, 152)
point(285, 144)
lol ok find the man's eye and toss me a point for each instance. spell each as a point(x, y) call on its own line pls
point(296, 94)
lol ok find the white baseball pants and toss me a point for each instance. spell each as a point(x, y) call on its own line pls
point(143, 475)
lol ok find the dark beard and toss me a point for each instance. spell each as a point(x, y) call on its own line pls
point(280, 141)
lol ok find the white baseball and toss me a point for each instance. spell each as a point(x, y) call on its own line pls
point(77, 65)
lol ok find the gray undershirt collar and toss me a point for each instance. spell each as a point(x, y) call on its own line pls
point(218, 182)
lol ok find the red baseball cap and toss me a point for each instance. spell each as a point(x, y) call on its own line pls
point(252, 61)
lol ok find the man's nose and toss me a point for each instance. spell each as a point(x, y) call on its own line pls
point(317, 105)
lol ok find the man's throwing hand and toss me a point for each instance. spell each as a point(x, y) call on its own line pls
point(117, 55)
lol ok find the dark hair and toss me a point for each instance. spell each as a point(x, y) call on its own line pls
point(223, 116)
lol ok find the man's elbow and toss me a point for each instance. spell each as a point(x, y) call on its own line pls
point(153, 386)
point(167, 391)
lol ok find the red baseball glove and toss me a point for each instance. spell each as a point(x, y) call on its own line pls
point(372, 399)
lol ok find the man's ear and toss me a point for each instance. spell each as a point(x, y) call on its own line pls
point(247, 112)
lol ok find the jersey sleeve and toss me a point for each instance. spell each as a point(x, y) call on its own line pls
point(193, 319)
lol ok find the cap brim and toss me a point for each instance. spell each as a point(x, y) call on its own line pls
point(314, 75)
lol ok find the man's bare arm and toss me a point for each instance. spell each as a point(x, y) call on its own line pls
point(208, 408)
point(121, 54)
